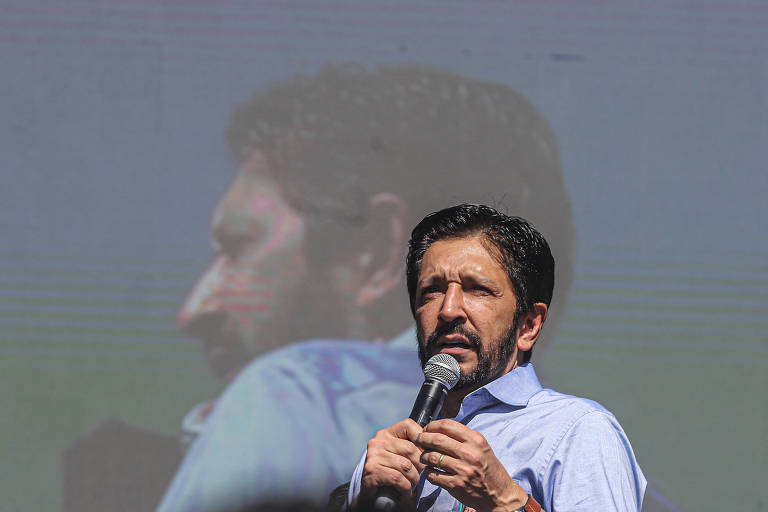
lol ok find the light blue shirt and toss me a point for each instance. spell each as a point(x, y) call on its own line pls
point(569, 453)
point(291, 425)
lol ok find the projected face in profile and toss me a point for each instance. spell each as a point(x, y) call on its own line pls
point(360, 154)
point(246, 301)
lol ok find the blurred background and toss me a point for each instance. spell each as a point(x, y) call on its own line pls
point(113, 156)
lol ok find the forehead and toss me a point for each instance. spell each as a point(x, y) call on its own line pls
point(456, 257)
point(254, 210)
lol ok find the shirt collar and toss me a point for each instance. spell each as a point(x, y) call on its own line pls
point(514, 388)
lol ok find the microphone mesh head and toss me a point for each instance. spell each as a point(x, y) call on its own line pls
point(444, 368)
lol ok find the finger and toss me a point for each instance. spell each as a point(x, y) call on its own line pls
point(405, 429)
point(402, 465)
point(393, 445)
point(405, 466)
point(439, 461)
point(377, 460)
point(447, 481)
point(382, 476)
point(452, 429)
point(438, 442)
point(391, 460)
point(399, 447)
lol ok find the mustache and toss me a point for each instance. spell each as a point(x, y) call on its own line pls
point(454, 328)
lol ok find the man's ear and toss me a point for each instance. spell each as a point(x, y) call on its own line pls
point(530, 326)
point(382, 256)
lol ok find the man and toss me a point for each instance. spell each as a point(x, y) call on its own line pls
point(480, 286)
point(309, 239)
point(332, 169)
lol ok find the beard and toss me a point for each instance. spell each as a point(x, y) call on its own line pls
point(490, 361)
point(232, 339)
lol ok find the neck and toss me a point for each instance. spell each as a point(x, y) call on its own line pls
point(453, 402)
point(455, 397)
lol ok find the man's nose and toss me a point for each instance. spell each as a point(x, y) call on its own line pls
point(203, 310)
point(453, 304)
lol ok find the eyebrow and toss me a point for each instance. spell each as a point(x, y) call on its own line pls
point(465, 276)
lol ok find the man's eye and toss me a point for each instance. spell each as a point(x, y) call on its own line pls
point(429, 290)
point(481, 289)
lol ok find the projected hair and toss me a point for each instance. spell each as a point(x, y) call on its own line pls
point(336, 138)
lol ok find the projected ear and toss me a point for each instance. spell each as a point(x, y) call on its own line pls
point(382, 258)
point(530, 326)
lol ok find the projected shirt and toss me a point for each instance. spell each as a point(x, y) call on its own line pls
point(292, 425)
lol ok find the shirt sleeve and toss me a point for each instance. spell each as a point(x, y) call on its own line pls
point(356, 482)
point(593, 468)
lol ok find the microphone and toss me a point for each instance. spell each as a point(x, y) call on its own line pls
point(441, 373)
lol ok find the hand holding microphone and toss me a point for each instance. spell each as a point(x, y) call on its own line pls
point(392, 467)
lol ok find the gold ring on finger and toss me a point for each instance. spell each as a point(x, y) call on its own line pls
point(439, 461)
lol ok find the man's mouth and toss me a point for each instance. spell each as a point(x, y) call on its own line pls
point(453, 341)
point(455, 344)
point(454, 349)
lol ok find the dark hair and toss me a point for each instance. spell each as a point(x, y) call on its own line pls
point(336, 138)
point(520, 250)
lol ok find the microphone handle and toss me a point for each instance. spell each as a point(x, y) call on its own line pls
point(386, 499)
point(428, 403)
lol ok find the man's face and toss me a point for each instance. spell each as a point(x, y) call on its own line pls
point(246, 302)
point(465, 307)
